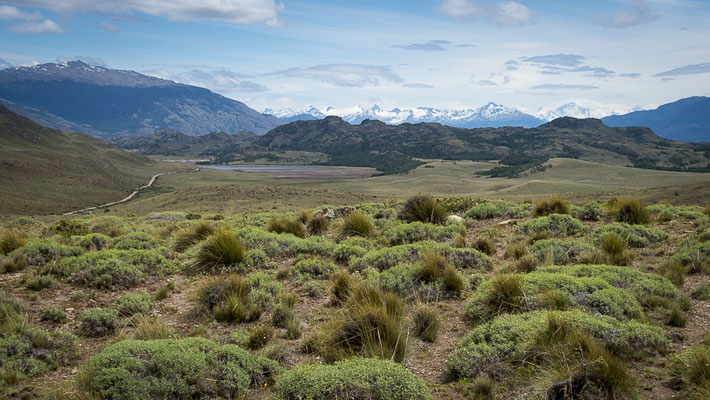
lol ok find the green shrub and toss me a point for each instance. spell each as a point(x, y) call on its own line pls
point(98, 322)
point(41, 252)
point(136, 241)
point(284, 225)
point(32, 351)
point(93, 242)
point(554, 205)
point(628, 210)
point(397, 233)
point(260, 337)
point(389, 257)
point(11, 240)
point(589, 211)
point(701, 292)
point(555, 225)
point(362, 377)
point(633, 235)
point(52, 314)
point(197, 233)
point(285, 245)
point(68, 228)
point(318, 225)
point(425, 320)
point(512, 337)
point(110, 273)
point(496, 209)
point(220, 252)
point(690, 371)
point(314, 268)
point(560, 252)
point(370, 324)
point(263, 288)
point(255, 258)
point(423, 208)
point(9, 308)
point(695, 258)
point(227, 299)
point(182, 368)
point(357, 224)
point(192, 216)
point(505, 294)
point(40, 282)
point(107, 226)
point(132, 303)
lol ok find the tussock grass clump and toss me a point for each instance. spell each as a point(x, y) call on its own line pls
point(227, 299)
point(516, 250)
point(690, 372)
point(701, 292)
point(526, 264)
point(342, 283)
point(318, 225)
point(11, 240)
point(632, 235)
point(506, 294)
point(423, 208)
point(482, 388)
point(484, 245)
point(628, 210)
point(695, 258)
point(554, 205)
point(357, 224)
point(150, 328)
point(179, 369)
point(613, 247)
point(425, 320)
point(220, 252)
point(361, 378)
point(260, 337)
point(674, 271)
point(286, 225)
point(676, 317)
point(197, 233)
point(17, 261)
point(370, 324)
point(435, 267)
point(98, 322)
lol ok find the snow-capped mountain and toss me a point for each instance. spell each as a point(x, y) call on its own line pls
point(582, 110)
point(490, 115)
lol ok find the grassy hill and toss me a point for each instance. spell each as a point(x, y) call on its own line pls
point(392, 149)
point(49, 171)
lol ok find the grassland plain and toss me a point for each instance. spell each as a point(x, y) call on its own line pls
point(174, 304)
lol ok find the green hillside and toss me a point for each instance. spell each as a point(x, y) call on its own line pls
point(49, 171)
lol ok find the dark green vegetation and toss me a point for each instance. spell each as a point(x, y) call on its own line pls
point(454, 298)
point(49, 171)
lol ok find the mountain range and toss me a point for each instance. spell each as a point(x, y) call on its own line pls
point(109, 103)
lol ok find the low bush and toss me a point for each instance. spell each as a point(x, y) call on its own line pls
point(263, 288)
point(284, 225)
point(555, 225)
point(628, 210)
point(54, 315)
point(357, 224)
point(255, 258)
point(425, 321)
point(397, 233)
point(314, 268)
point(632, 235)
point(41, 252)
point(695, 258)
point(386, 258)
point(98, 322)
point(40, 282)
point(107, 226)
point(132, 303)
point(179, 368)
point(589, 211)
point(513, 337)
point(135, 241)
point(554, 205)
point(114, 269)
point(701, 292)
point(219, 252)
point(362, 378)
point(505, 293)
point(285, 245)
point(560, 252)
point(93, 242)
point(496, 209)
point(67, 228)
point(423, 208)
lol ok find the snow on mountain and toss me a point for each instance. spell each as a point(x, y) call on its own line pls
point(489, 115)
point(582, 109)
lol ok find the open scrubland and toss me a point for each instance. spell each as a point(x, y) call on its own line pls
point(419, 298)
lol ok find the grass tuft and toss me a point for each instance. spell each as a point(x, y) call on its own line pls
point(220, 252)
point(554, 205)
point(357, 224)
point(425, 319)
point(628, 210)
point(423, 208)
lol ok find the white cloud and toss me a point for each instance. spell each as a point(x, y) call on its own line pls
point(221, 81)
point(552, 86)
point(9, 13)
point(557, 64)
point(348, 75)
point(4, 64)
point(686, 70)
point(638, 13)
point(89, 60)
point(505, 13)
point(232, 11)
point(417, 86)
point(34, 28)
point(432, 45)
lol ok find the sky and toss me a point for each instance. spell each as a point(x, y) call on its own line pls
point(452, 54)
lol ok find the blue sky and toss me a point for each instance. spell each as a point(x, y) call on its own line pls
point(608, 54)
